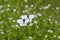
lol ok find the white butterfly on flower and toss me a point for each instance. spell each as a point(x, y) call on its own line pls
point(25, 19)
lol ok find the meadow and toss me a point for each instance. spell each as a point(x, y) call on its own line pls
point(46, 25)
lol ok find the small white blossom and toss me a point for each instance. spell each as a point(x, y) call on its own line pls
point(59, 37)
point(57, 8)
point(37, 27)
point(39, 14)
point(8, 5)
point(49, 19)
point(17, 26)
point(46, 36)
point(1, 11)
point(46, 7)
point(2, 32)
point(40, 8)
point(26, 6)
point(56, 22)
point(32, 5)
point(14, 20)
point(7, 9)
point(34, 12)
point(24, 11)
point(30, 24)
point(54, 36)
point(49, 5)
point(25, 0)
point(51, 22)
point(50, 31)
point(1, 22)
point(35, 22)
point(10, 18)
point(14, 10)
point(1, 6)
point(30, 37)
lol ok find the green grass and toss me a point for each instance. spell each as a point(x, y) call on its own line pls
point(9, 31)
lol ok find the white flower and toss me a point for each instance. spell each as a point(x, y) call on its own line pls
point(7, 9)
point(14, 10)
point(8, 5)
point(46, 36)
point(24, 11)
point(46, 7)
point(49, 5)
point(30, 24)
point(59, 37)
point(2, 11)
point(30, 37)
point(1, 22)
point(54, 36)
point(2, 32)
point(35, 22)
point(17, 26)
point(39, 14)
point(40, 8)
point(49, 19)
point(26, 6)
point(32, 5)
point(57, 8)
point(25, 0)
point(1, 6)
point(50, 31)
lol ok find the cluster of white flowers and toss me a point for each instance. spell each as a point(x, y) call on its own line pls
point(1, 6)
point(1, 31)
point(50, 31)
point(45, 7)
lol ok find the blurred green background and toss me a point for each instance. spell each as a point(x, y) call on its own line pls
point(43, 30)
